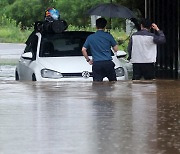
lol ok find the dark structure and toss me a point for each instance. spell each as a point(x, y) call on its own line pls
point(166, 13)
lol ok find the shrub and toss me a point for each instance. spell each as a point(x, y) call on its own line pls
point(10, 32)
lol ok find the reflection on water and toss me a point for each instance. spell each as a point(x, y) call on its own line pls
point(87, 118)
point(168, 116)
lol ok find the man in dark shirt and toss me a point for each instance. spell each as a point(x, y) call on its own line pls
point(100, 44)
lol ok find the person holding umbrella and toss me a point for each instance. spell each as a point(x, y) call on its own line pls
point(142, 49)
point(100, 44)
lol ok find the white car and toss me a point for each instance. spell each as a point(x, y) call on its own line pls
point(58, 57)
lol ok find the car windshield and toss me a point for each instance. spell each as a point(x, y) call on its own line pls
point(63, 44)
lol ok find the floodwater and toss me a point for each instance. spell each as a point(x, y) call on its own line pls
point(124, 117)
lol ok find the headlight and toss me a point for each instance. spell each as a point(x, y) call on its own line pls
point(46, 73)
point(119, 71)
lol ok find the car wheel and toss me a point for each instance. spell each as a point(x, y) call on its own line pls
point(16, 76)
point(33, 77)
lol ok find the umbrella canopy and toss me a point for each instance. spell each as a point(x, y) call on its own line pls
point(111, 10)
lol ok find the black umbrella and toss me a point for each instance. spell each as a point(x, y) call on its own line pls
point(111, 10)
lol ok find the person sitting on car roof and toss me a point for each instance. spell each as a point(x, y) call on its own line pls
point(51, 14)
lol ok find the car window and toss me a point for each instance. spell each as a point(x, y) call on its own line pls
point(61, 45)
point(32, 46)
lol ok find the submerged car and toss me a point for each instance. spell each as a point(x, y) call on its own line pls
point(58, 57)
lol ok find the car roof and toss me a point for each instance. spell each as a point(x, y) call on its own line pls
point(70, 33)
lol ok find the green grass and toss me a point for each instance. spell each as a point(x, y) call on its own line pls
point(8, 61)
point(13, 35)
point(11, 32)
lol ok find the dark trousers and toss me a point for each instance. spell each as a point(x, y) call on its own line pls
point(103, 69)
point(145, 70)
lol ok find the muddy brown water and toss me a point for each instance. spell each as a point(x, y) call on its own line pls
point(124, 117)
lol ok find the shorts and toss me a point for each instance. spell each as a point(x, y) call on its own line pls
point(103, 69)
point(145, 70)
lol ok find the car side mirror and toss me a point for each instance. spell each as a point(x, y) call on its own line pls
point(27, 55)
point(121, 54)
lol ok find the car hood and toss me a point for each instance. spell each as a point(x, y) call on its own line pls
point(65, 64)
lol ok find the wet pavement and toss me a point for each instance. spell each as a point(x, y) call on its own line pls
point(86, 118)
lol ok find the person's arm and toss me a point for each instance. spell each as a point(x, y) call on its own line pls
point(84, 52)
point(113, 43)
point(129, 48)
point(160, 37)
point(115, 48)
point(155, 27)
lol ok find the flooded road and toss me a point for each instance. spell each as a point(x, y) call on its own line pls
point(9, 56)
point(87, 118)
point(11, 50)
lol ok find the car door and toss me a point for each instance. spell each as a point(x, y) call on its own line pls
point(25, 70)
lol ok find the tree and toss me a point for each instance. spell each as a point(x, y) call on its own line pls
point(135, 5)
point(27, 13)
point(73, 11)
